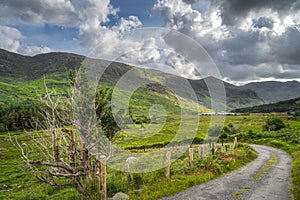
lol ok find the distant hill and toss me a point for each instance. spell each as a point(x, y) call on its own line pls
point(29, 68)
point(272, 91)
point(236, 97)
point(22, 78)
point(292, 105)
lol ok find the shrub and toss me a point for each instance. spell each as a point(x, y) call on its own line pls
point(274, 124)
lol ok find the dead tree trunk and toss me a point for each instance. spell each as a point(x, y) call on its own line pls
point(54, 134)
point(191, 157)
point(168, 164)
point(102, 177)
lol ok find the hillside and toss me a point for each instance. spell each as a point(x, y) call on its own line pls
point(273, 91)
point(22, 78)
point(292, 105)
point(236, 97)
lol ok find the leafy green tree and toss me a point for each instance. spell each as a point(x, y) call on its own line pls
point(231, 129)
point(223, 136)
point(274, 124)
point(214, 131)
point(105, 115)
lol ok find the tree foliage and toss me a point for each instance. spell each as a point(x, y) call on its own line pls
point(214, 131)
point(104, 112)
point(274, 124)
point(231, 129)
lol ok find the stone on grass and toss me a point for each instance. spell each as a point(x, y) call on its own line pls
point(120, 196)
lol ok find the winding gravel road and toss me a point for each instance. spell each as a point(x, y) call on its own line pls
point(268, 178)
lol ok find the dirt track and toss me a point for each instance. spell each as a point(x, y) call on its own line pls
point(254, 181)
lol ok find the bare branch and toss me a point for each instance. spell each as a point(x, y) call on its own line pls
point(56, 174)
point(55, 164)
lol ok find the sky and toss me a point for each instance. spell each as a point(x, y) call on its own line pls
point(255, 40)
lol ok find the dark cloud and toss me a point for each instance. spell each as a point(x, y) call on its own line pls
point(246, 48)
point(286, 47)
point(190, 1)
point(263, 22)
point(251, 55)
point(244, 73)
point(38, 12)
point(233, 11)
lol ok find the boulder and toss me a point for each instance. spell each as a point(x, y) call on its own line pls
point(120, 196)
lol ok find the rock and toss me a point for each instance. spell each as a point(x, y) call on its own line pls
point(120, 196)
point(131, 160)
point(6, 139)
point(24, 145)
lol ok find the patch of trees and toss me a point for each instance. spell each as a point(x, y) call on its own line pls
point(274, 124)
point(20, 116)
point(59, 156)
point(292, 105)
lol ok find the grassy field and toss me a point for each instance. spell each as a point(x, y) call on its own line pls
point(16, 182)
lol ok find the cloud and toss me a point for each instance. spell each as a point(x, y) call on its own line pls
point(263, 22)
point(34, 50)
point(234, 11)
point(10, 38)
point(58, 12)
point(146, 52)
point(286, 47)
point(178, 14)
point(89, 18)
point(189, 1)
point(248, 40)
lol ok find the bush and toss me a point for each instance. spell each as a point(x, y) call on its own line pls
point(274, 124)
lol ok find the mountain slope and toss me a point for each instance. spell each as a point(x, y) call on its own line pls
point(292, 105)
point(272, 91)
point(29, 68)
point(22, 78)
point(236, 97)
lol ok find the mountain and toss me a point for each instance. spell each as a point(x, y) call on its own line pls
point(272, 91)
point(29, 68)
point(236, 97)
point(292, 105)
point(22, 78)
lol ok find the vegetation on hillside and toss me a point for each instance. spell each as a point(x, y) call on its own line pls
point(292, 105)
point(20, 77)
point(274, 91)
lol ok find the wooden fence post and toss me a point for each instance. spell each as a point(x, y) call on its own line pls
point(102, 177)
point(201, 152)
point(235, 143)
point(127, 171)
point(191, 156)
point(168, 164)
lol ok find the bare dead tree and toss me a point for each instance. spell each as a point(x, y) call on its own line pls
point(58, 156)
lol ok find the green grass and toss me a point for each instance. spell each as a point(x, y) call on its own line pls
point(14, 173)
point(14, 92)
point(16, 178)
point(266, 167)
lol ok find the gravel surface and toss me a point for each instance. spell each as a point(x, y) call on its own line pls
point(248, 182)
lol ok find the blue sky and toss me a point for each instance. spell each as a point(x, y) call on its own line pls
point(249, 41)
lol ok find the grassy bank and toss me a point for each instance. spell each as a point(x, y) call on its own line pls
point(17, 182)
